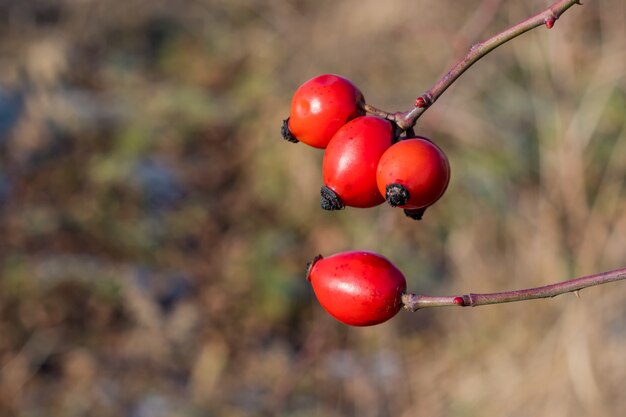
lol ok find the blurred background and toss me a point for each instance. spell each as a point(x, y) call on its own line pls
point(154, 226)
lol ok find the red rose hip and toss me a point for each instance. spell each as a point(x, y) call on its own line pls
point(350, 163)
point(413, 173)
point(320, 107)
point(358, 288)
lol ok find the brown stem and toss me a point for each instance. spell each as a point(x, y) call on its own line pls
point(408, 118)
point(413, 302)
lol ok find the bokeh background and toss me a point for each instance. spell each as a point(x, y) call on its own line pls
point(154, 227)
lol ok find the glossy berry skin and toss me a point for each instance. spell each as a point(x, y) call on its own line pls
point(321, 106)
point(419, 168)
point(358, 288)
point(351, 160)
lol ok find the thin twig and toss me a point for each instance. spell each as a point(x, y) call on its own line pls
point(413, 302)
point(407, 119)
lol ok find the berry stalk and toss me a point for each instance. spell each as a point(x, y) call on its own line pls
point(414, 302)
point(407, 119)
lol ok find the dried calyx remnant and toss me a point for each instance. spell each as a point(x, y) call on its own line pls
point(330, 200)
point(397, 195)
point(309, 266)
point(415, 214)
point(286, 133)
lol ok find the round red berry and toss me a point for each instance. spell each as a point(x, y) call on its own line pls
point(350, 163)
point(413, 173)
point(358, 288)
point(320, 107)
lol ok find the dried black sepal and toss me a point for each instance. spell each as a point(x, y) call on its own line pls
point(309, 266)
point(286, 133)
point(415, 214)
point(330, 200)
point(396, 195)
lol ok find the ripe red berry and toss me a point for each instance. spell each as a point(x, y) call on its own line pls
point(358, 288)
point(320, 107)
point(413, 173)
point(350, 162)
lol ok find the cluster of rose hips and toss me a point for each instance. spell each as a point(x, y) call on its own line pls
point(366, 161)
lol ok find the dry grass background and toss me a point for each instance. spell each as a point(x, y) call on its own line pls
point(154, 227)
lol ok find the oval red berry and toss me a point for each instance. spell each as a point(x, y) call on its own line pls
point(321, 106)
point(416, 171)
point(351, 160)
point(358, 288)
